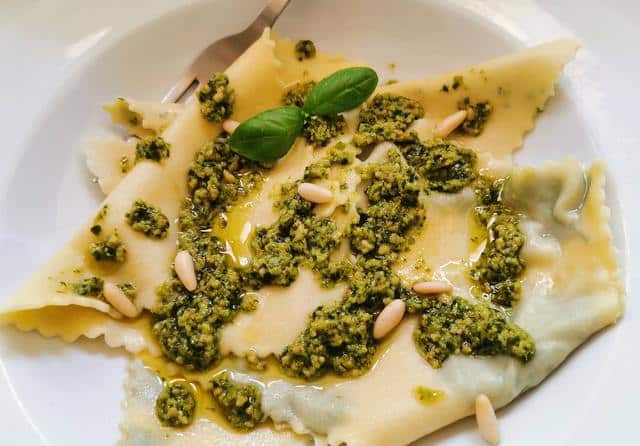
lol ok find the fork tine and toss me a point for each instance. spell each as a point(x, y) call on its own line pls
point(180, 88)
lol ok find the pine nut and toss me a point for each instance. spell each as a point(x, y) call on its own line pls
point(183, 265)
point(432, 287)
point(314, 193)
point(230, 125)
point(486, 419)
point(118, 300)
point(449, 124)
point(389, 317)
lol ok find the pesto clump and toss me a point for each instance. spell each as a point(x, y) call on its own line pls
point(337, 155)
point(153, 148)
point(216, 98)
point(240, 403)
point(339, 337)
point(500, 264)
point(444, 166)
point(297, 94)
point(317, 130)
point(387, 117)
point(89, 287)
point(460, 327)
point(477, 116)
point(187, 323)
point(176, 405)
point(147, 219)
point(297, 238)
point(128, 288)
point(111, 249)
point(305, 49)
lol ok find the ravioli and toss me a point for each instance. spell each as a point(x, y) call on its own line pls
point(570, 287)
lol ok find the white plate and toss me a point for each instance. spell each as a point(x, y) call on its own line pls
point(62, 59)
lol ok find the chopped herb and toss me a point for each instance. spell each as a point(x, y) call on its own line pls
point(457, 82)
point(240, 403)
point(110, 249)
point(459, 327)
point(147, 219)
point(319, 130)
point(176, 405)
point(444, 166)
point(298, 93)
point(95, 229)
point(128, 288)
point(153, 148)
point(477, 116)
point(305, 49)
point(338, 337)
point(387, 118)
point(89, 287)
point(500, 264)
point(187, 323)
point(216, 98)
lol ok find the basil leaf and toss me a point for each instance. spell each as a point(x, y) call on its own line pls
point(342, 91)
point(268, 135)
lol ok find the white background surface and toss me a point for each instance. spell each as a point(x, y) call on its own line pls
point(59, 395)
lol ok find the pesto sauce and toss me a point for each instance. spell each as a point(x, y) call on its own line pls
point(152, 148)
point(216, 98)
point(387, 117)
point(317, 130)
point(456, 326)
point(147, 219)
point(444, 166)
point(339, 338)
point(176, 405)
point(305, 49)
point(110, 249)
point(240, 403)
point(125, 165)
point(477, 116)
point(89, 287)
point(298, 237)
point(500, 264)
point(187, 323)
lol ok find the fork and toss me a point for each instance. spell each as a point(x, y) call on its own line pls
point(220, 54)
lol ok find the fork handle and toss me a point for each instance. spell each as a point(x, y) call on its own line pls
point(269, 14)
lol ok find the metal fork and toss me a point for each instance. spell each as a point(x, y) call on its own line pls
point(220, 54)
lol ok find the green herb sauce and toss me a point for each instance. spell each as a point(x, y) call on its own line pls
point(89, 287)
point(477, 116)
point(216, 98)
point(240, 403)
point(147, 219)
point(298, 238)
point(96, 228)
point(459, 327)
point(187, 323)
point(339, 337)
point(305, 49)
point(500, 263)
point(444, 166)
point(176, 405)
point(387, 117)
point(125, 165)
point(153, 148)
point(110, 249)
